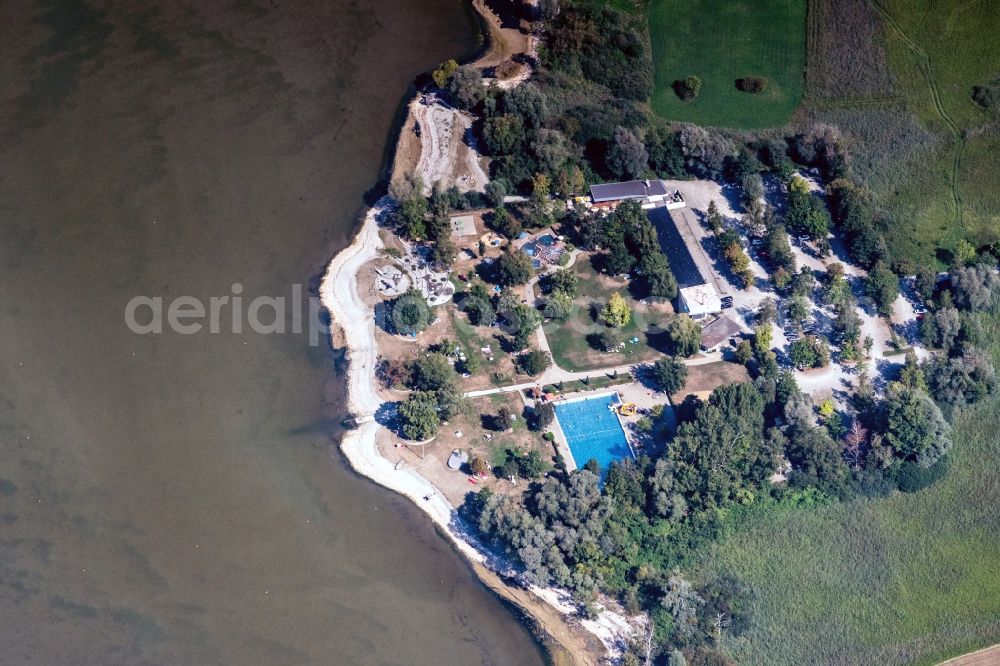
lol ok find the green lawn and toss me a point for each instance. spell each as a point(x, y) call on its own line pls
point(571, 341)
point(721, 41)
point(911, 579)
point(598, 381)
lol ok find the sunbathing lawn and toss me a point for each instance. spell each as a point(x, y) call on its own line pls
point(570, 341)
point(455, 484)
point(703, 379)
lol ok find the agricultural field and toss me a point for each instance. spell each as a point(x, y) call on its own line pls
point(907, 579)
point(896, 77)
point(721, 42)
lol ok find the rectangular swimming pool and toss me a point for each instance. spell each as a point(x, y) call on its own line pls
point(593, 430)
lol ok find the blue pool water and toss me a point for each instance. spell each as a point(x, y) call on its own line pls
point(593, 431)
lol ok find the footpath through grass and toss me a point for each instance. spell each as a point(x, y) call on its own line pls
point(938, 56)
point(902, 580)
point(721, 41)
point(896, 76)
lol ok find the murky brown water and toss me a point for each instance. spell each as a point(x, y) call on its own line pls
point(177, 499)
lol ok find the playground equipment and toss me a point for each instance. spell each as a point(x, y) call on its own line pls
point(627, 409)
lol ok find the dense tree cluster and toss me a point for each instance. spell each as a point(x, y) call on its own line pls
point(959, 373)
point(572, 531)
point(854, 212)
point(806, 214)
point(809, 352)
point(419, 416)
point(628, 242)
point(722, 456)
point(882, 285)
point(436, 395)
point(973, 286)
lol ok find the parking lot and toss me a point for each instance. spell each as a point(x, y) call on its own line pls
point(695, 258)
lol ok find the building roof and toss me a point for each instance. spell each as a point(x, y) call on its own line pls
point(700, 299)
point(632, 189)
point(718, 331)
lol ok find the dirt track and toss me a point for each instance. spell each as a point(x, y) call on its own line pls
point(985, 657)
point(435, 144)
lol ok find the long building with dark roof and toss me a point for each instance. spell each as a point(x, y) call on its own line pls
point(651, 193)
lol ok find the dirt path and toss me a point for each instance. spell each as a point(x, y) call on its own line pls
point(504, 43)
point(985, 657)
point(923, 63)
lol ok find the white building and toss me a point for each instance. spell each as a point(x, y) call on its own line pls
point(700, 301)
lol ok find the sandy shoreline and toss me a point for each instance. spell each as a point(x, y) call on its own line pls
point(566, 639)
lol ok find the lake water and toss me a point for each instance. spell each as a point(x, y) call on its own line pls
point(180, 498)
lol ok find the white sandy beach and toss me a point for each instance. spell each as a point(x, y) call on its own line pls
point(339, 294)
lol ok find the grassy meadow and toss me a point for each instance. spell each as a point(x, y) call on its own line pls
point(895, 76)
point(911, 579)
point(721, 41)
point(902, 93)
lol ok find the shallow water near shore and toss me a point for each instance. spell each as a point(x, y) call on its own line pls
point(180, 498)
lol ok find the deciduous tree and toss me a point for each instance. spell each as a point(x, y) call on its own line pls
point(685, 335)
point(668, 374)
point(534, 362)
point(409, 312)
point(444, 72)
point(915, 428)
point(616, 312)
point(627, 156)
point(419, 416)
point(882, 286)
point(513, 267)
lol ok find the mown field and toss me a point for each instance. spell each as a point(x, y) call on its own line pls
point(721, 41)
point(911, 579)
point(896, 76)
